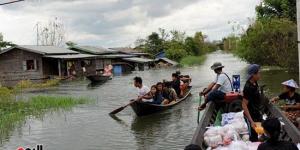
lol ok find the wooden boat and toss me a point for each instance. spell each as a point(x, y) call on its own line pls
point(142, 109)
point(98, 78)
point(289, 131)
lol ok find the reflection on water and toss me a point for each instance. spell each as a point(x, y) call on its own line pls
point(90, 127)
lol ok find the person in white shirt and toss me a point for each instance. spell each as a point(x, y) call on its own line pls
point(218, 88)
point(142, 89)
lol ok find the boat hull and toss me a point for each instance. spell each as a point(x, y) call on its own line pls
point(289, 131)
point(143, 109)
point(98, 78)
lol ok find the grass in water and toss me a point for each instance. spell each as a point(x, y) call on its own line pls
point(192, 60)
point(13, 113)
point(25, 84)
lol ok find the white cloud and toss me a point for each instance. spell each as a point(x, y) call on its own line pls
point(119, 22)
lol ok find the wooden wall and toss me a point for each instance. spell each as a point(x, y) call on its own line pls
point(11, 67)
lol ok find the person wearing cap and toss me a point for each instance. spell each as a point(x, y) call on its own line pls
point(251, 99)
point(217, 90)
point(289, 95)
point(272, 128)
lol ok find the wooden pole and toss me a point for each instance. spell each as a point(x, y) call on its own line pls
point(298, 30)
point(59, 68)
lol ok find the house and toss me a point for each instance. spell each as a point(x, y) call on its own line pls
point(161, 54)
point(107, 57)
point(165, 62)
point(33, 63)
point(124, 60)
point(140, 63)
point(36, 63)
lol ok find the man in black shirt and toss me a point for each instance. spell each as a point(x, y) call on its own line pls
point(176, 83)
point(251, 100)
point(272, 128)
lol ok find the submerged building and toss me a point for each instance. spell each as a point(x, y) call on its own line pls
point(37, 63)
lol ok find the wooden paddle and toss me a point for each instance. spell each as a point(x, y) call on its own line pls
point(121, 108)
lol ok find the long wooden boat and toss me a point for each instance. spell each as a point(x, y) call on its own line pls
point(289, 131)
point(98, 78)
point(142, 109)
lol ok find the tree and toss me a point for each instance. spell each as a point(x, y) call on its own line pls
point(270, 42)
point(154, 44)
point(191, 46)
point(4, 44)
point(277, 8)
point(176, 50)
point(52, 33)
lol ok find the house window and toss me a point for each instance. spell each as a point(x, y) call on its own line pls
point(29, 65)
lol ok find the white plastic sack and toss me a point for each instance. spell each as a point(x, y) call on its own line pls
point(213, 141)
point(227, 118)
point(238, 145)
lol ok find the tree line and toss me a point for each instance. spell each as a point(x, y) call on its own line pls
point(176, 44)
point(271, 39)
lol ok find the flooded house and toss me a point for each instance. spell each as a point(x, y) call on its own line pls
point(123, 60)
point(165, 62)
point(33, 63)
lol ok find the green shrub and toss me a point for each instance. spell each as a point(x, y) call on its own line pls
point(192, 60)
point(270, 42)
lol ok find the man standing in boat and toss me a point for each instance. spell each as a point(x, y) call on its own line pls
point(217, 90)
point(251, 100)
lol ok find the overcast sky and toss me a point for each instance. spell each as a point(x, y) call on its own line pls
point(114, 23)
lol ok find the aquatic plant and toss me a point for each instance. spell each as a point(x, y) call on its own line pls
point(26, 84)
point(13, 113)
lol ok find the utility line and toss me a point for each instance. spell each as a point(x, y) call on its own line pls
point(11, 2)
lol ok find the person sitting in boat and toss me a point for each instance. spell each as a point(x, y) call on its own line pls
point(142, 89)
point(292, 100)
point(153, 97)
point(108, 70)
point(272, 128)
point(251, 100)
point(217, 90)
point(290, 96)
point(169, 94)
point(176, 84)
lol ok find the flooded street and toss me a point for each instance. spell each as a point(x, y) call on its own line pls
point(89, 127)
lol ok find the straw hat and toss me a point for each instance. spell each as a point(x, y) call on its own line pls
point(291, 83)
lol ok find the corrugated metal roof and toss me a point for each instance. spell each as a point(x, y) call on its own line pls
point(93, 50)
point(117, 56)
point(174, 63)
point(71, 56)
point(43, 50)
point(88, 56)
point(138, 60)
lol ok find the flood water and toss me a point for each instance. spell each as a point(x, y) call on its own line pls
point(89, 127)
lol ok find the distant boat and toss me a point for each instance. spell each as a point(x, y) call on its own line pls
point(98, 78)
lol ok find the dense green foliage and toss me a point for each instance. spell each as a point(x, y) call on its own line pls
point(270, 42)
point(192, 60)
point(272, 38)
point(277, 8)
point(175, 44)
